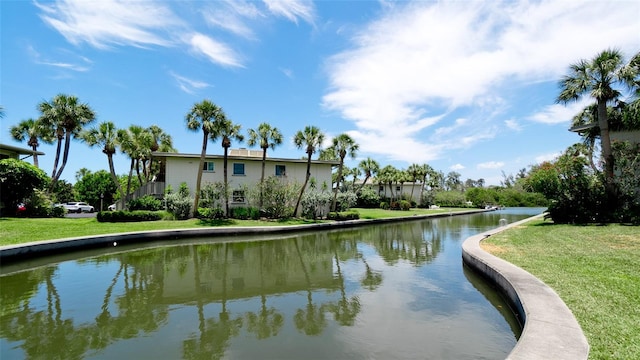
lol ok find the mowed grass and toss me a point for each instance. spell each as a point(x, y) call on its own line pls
point(594, 269)
point(22, 230)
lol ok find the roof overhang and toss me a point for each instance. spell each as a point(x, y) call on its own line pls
point(19, 150)
point(243, 158)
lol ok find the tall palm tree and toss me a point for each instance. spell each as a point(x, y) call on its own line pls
point(106, 136)
point(370, 168)
point(202, 116)
point(427, 172)
point(227, 130)
point(65, 116)
point(598, 78)
point(344, 145)
point(310, 139)
point(266, 137)
point(33, 130)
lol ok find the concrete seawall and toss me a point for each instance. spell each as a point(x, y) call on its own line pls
point(550, 330)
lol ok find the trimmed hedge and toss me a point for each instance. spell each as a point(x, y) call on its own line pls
point(129, 216)
point(342, 216)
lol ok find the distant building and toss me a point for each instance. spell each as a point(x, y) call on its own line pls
point(13, 152)
point(244, 169)
point(397, 191)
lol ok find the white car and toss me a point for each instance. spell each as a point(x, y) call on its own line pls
point(112, 207)
point(78, 207)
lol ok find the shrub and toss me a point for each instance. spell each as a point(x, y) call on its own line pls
point(405, 205)
point(384, 205)
point(40, 205)
point(368, 198)
point(245, 213)
point(18, 179)
point(179, 204)
point(210, 213)
point(146, 202)
point(346, 200)
point(342, 216)
point(315, 203)
point(278, 197)
point(129, 216)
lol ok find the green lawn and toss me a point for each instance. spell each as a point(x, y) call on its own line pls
point(594, 269)
point(21, 230)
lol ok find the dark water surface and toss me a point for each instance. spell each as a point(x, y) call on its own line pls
point(394, 291)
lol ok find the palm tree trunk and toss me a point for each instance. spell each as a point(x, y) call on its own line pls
point(226, 189)
point(335, 191)
point(112, 170)
point(203, 153)
point(605, 139)
point(366, 177)
point(264, 160)
point(57, 159)
point(306, 180)
point(35, 155)
point(65, 156)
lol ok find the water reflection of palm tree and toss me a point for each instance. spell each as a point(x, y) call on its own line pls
point(268, 321)
point(346, 310)
point(371, 279)
point(310, 320)
point(214, 335)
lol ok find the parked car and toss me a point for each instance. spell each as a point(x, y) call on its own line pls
point(78, 207)
point(111, 207)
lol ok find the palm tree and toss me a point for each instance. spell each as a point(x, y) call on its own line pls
point(65, 116)
point(344, 145)
point(415, 172)
point(106, 136)
point(266, 137)
point(597, 77)
point(370, 167)
point(427, 172)
point(132, 142)
point(386, 176)
point(32, 130)
point(161, 141)
point(202, 116)
point(226, 130)
point(311, 139)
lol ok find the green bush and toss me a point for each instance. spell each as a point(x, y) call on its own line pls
point(179, 204)
point(210, 213)
point(342, 216)
point(129, 216)
point(146, 202)
point(245, 213)
point(368, 198)
point(405, 205)
point(384, 205)
point(346, 200)
point(315, 203)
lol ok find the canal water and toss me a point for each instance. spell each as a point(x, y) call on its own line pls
point(392, 291)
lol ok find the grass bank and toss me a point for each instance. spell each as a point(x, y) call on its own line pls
point(23, 230)
point(594, 269)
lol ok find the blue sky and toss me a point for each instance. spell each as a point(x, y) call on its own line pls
point(466, 86)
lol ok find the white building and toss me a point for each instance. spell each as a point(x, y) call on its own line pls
point(244, 170)
point(405, 190)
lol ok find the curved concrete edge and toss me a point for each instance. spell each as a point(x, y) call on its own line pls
point(14, 253)
point(550, 329)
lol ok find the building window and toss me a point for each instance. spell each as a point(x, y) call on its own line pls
point(397, 188)
point(238, 196)
point(238, 169)
point(208, 166)
point(281, 170)
point(381, 188)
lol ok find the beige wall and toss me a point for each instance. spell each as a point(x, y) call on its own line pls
point(182, 169)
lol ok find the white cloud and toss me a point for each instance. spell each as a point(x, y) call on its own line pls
point(456, 167)
point(558, 113)
point(214, 50)
point(455, 64)
point(105, 23)
point(81, 63)
point(491, 165)
point(287, 72)
point(547, 157)
point(292, 9)
point(513, 125)
point(232, 16)
point(188, 85)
